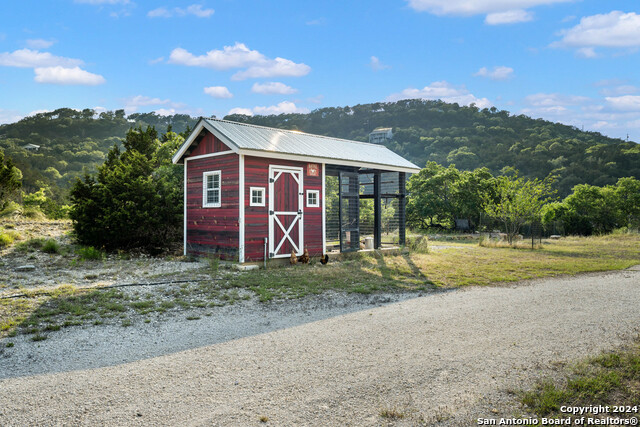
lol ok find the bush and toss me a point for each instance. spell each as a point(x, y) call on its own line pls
point(7, 237)
point(50, 246)
point(11, 209)
point(90, 253)
point(135, 201)
point(30, 245)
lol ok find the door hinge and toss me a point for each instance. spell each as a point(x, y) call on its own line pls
point(270, 254)
point(299, 211)
point(271, 180)
point(270, 212)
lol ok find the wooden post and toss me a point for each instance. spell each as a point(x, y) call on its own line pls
point(377, 210)
point(402, 231)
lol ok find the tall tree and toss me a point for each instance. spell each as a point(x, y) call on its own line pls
point(518, 201)
point(10, 179)
point(134, 201)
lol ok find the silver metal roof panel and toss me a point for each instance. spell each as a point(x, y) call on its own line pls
point(270, 142)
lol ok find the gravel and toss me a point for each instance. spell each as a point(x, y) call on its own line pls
point(441, 359)
point(104, 345)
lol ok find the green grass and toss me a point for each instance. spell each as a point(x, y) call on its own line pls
point(90, 253)
point(30, 245)
point(7, 237)
point(458, 264)
point(611, 379)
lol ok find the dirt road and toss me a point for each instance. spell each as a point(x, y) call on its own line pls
point(444, 358)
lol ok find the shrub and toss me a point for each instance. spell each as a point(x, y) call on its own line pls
point(50, 246)
point(90, 253)
point(30, 245)
point(7, 237)
point(135, 200)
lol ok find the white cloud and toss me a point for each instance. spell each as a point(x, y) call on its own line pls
point(586, 52)
point(194, 10)
point(197, 10)
point(611, 30)
point(475, 7)
point(285, 107)
point(9, 116)
point(67, 76)
point(40, 43)
point(240, 56)
point(444, 91)
point(624, 103)
point(497, 11)
point(278, 67)
point(237, 110)
point(508, 17)
point(133, 103)
point(271, 88)
point(218, 92)
point(376, 65)
point(498, 73)
point(156, 61)
point(27, 58)
point(165, 111)
point(141, 100)
point(236, 56)
point(554, 99)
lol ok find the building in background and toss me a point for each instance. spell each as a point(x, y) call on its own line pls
point(380, 135)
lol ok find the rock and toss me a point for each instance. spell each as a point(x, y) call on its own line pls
point(27, 267)
point(555, 236)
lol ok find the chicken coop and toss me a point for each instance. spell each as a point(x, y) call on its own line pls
point(253, 193)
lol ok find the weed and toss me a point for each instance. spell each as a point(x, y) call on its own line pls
point(8, 237)
point(10, 344)
point(264, 419)
point(214, 264)
point(126, 322)
point(609, 379)
point(89, 253)
point(50, 246)
point(193, 317)
point(392, 414)
point(30, 245)
point(38, 337)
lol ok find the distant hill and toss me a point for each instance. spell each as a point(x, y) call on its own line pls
point(72, 140)
point(423, 130)
point(470, 138)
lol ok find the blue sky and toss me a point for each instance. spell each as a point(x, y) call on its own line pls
point(573, 61)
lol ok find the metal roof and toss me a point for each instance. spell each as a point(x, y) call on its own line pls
point(270, 142)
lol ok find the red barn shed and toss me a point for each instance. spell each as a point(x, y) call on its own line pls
point(245, 183)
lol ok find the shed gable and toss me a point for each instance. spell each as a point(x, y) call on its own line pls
point(209, 144)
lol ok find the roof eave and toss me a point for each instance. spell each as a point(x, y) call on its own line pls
point(327, 160)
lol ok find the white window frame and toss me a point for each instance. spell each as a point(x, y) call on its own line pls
point(262, 191)
point(205, 189)
point(317, 203)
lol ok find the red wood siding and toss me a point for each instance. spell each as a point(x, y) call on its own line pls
point(213, 230)
point(257, 217)
point(209, 144)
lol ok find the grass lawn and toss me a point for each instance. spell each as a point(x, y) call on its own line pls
point(451, 265)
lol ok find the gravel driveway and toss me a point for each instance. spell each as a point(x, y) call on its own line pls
point(444, 359)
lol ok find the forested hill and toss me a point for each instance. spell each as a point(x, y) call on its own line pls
point(71, 140)
point(423, 131)
point(470, 138)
